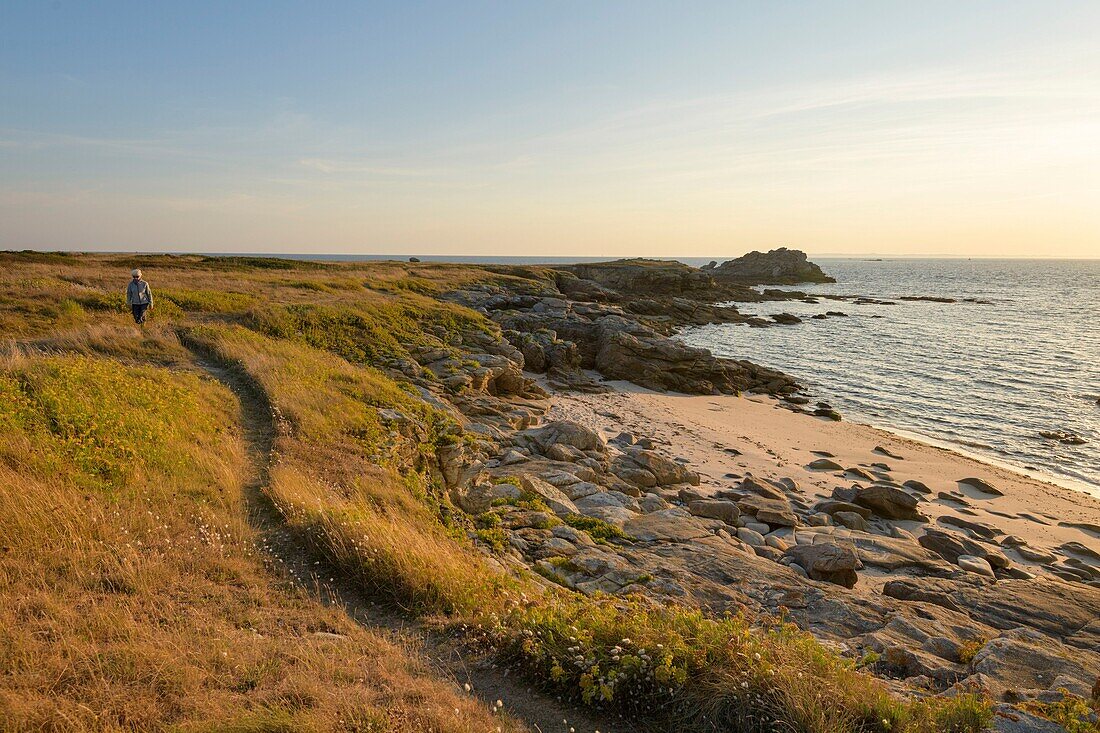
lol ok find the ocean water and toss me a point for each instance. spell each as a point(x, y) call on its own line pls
point(984, 378)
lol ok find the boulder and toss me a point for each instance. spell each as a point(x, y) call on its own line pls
point(1064, 611)
point(974, 564)
point(609, 513)
point(631, 472)
point(479, 496)
point(890, 553)
point(652, 503)
point(851, 520)
point(580, 489)
point(832, 507)
point(828, 562)
point(889, 502)
point(567, 433)
point(626, 351)
point(750, 484)
point(564, 453)
point(1022, 659)
point(608, 498)
point(750, 537)
point(769, 511)
point(1010, 719)
point(720, 509)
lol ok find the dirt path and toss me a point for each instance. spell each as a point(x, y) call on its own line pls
point(449, 656)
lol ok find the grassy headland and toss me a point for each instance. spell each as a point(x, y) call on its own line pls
point(135, 590)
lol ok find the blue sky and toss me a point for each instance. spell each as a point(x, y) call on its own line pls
point(556, 128)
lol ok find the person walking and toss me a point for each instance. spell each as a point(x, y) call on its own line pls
point(138, 296)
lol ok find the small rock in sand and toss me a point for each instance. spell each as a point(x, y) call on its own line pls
point(886, 452)
point(918, 486)
point(1086, 526)
point(824, 464)
point(982, 485)
point(979, 528)
point(1079, 549)
point(952, 498)
point(1033, 555)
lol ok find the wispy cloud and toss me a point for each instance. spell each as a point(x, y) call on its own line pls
point(328, 165)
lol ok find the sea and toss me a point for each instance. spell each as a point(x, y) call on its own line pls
point(982, 378)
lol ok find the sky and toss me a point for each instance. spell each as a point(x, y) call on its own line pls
point(555, 128)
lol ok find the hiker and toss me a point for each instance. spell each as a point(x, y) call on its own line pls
point(138, 296)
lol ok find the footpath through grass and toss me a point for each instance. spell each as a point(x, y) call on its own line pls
point(133, 595)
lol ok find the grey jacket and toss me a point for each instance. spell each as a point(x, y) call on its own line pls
point(138, 293)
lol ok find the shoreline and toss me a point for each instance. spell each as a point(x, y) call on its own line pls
point(775, 444)
point(1062, 482)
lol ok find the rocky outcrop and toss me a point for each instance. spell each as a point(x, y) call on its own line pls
point(778, 267)
point(641, 276)
point(759, 544)
point(566, 338)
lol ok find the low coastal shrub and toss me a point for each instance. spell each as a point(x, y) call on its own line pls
point(1072, 712)
point(969, 649)
point(207, 301)
point(597, 529)
point(384, 330)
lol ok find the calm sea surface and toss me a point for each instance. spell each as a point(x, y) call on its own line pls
point(984, 378)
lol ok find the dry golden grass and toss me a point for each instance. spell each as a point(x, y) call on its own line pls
point(358, 489)
point(132, 594)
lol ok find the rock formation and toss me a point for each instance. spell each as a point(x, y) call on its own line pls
point(778, 267)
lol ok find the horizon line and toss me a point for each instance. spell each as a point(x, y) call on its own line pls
point(437, 256)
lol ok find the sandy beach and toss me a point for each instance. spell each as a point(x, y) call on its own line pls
point(726, 437)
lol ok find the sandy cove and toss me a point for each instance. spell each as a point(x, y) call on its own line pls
point(774, 442)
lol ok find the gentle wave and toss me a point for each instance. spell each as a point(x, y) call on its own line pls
point(986, 377)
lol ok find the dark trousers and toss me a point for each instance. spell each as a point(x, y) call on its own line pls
point(139, 312)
